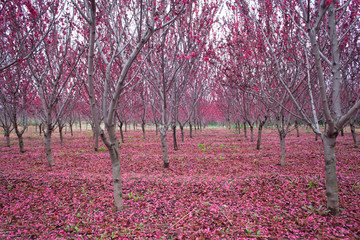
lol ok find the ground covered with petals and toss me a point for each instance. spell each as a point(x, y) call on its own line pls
point(218, 186)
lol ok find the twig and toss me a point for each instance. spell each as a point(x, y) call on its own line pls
point(183, 217)
point(6, 178)
point(222, 211)
point(75, 213)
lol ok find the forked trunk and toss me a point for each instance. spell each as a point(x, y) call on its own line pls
point(282, 146)
point(353, 133)
point(182, 132)
point(330, 173)
point(174, 137)
point(47, 138)
point(164, 146)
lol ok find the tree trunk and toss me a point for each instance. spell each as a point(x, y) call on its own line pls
point(191, 135)
point(182, 132)
point(113, 147)
point(342, 132)
point(330, 173)
point(174, 137)
point(316, 137)
point(163, 137)
point(96, 142)
point(258, 144)
point(143, 129)
point(71, 129)
point(156, 128)
point(61, 135)
point(353, 133)
point(7, 135)
point(21, 143)
point(245, 132)
point(47, 137)
point(251, 132)
point(282, 146)
point(121, 132)
point(239, 128)
point(40, 129)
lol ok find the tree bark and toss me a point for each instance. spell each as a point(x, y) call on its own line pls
point(282, 146)
point(164, 146)
point(191, 135)
point(121, 132)
point(156, 128)
point(71, 129)
point(174, 137)
point(258, 144)
point(143, 129)
point(353, 133)
point(182, 132)
point(329, 143)
point(251, 132)
point(61, 135)
point(245, 131)
point(113, 147)
point(21, 143)
point(47, 138)
point(7, 135)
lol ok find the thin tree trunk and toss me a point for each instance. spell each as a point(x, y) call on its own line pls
point(61, 135)
point(282, 146)
point(71, 129)
point(251, 132)
point(182, 132)
point(40, 129)
point(7, 135)
point(239, 128)
point(316, 137)
point(342, 132)
point(191, 135)
point(174, 137)
point(143, 129)
point(21, 143)
point(47, 138)
point(258, 144)
point(164, 146)
point(353, 133)
point(113, 147)
point(245, 132)
point(121, 132)
point(330, 174)
point(156, 128)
